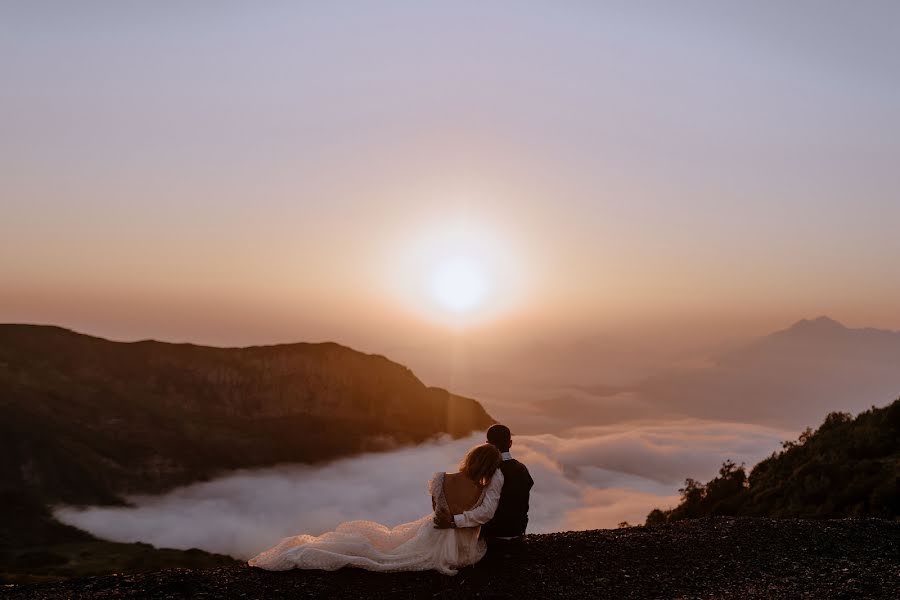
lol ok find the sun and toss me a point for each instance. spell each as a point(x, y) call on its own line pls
point(459, 284)
point(457, 273)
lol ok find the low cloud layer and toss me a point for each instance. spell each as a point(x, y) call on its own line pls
point(592, 477)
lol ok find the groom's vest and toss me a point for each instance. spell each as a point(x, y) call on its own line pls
point(511, 517)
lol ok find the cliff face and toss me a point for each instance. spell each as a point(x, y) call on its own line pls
point(85, 420)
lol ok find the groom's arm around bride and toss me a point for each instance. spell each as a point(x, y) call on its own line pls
point(479, 515)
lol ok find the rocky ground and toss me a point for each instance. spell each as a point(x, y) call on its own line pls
point(707, 558)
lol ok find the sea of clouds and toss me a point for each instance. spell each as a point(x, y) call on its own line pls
point(585, 478)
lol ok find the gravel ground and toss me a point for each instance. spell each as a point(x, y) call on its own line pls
point(707, 558)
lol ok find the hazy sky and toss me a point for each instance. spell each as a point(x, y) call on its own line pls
point(603, 187)
point(245, 173)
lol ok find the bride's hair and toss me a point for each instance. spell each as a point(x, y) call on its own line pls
point(480, 463)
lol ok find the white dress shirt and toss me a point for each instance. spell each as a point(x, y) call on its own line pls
point(484, 512)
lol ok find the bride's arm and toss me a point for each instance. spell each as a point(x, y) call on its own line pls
point(484, 512)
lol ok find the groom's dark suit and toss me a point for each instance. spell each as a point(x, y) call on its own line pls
point(511, 517)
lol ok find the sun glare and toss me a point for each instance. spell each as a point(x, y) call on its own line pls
point(459, 284)
point(457, 272)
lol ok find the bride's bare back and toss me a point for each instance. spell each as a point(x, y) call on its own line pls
point(461, 493)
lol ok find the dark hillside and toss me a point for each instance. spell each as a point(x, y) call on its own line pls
point(85, 419)
point(848, 467)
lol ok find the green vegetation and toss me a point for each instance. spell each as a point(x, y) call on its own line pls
point(846, 468)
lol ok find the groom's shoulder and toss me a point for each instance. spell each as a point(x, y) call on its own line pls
point(514, 465)
point(517, 469)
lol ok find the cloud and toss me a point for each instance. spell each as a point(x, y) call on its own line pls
point(615, 505)
point(592, 477)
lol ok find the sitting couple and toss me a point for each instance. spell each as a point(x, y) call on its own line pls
point(485, 503)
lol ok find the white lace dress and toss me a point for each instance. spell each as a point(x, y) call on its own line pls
point(415, 546)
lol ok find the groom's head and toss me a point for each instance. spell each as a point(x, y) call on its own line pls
point(500, 436)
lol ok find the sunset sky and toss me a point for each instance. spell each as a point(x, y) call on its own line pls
point(227, 174)
point(588, 216)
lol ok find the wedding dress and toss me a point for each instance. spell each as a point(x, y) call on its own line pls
point(416, 546)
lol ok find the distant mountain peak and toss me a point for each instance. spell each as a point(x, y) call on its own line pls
point(822, 323)
point(811, 330)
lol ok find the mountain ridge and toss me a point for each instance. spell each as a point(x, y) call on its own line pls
point(106, 387)
point(825, 325)
point(785, 378)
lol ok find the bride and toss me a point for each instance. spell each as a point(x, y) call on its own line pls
point(416, 546)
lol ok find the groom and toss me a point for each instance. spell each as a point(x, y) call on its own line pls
point(504, 512)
